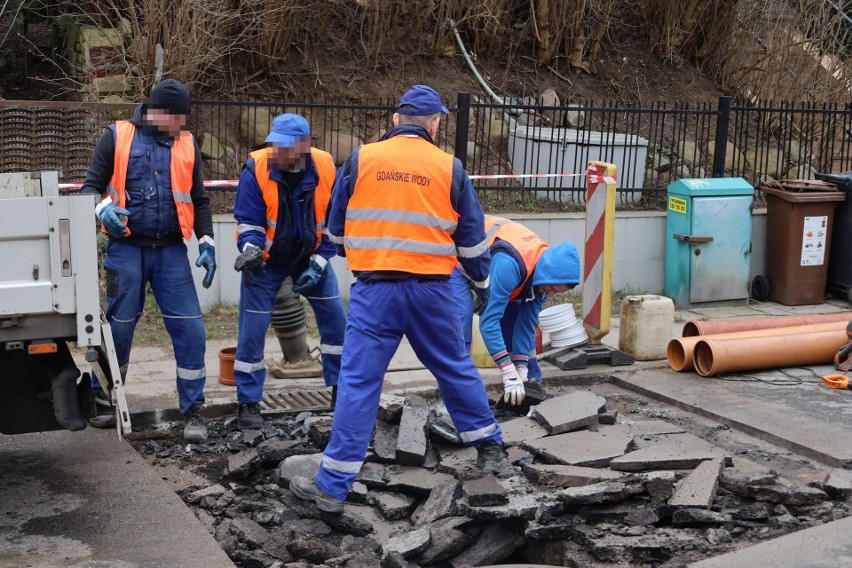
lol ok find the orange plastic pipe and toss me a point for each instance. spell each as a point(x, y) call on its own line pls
point(695, 327)
point(714, 355)
point(680, 350)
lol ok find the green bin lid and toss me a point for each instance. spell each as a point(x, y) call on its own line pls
point(709, 187)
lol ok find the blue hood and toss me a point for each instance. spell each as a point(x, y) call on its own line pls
point(559, 264)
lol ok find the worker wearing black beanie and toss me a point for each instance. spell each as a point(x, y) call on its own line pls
point(147, 171)
point(171, 96)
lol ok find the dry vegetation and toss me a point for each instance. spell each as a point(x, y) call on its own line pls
point(792, 50)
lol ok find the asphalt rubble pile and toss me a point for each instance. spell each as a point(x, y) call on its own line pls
point(582, 486)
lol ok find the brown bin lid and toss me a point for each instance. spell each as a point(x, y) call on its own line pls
point(804, 196)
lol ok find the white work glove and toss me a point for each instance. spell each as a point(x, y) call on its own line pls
point(523, 371)
point(513, 386)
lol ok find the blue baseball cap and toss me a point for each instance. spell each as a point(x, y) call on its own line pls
point(423, 100)
point(287, 129)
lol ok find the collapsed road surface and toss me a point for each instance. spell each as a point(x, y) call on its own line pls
point(595, 476)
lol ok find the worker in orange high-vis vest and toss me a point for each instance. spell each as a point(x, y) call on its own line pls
point(282, 197)
point(525, 271)
point(147, 173)
point(404, 213)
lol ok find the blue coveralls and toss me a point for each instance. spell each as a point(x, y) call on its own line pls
point(505, 324)
point(295, 239)
point(155, 254)
point(381, 311)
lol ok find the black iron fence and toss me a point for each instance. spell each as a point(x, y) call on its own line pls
point(505, 146)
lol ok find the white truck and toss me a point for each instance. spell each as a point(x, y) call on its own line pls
point(49, 304)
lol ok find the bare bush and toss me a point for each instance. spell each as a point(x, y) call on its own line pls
point(195, 37)
point(786, 52)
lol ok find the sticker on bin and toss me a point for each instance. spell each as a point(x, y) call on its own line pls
point(677, 204)
point(814, 241)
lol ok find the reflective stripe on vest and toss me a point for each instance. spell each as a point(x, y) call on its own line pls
point(182, 164)
point(400, 216)
point(269, 188)
point(322, 195)
point(522, 244)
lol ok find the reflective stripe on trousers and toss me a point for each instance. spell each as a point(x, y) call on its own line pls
point(379, 315)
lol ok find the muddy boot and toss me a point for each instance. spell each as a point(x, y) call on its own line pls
point(489, 457)
point(194, 431)
point(307, 490)
point(249, 416)
point(103, 413)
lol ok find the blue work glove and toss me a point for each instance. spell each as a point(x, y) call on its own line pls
point(311, 275)
point(111, 218)
point(251, 260)
point(482, 296)
point(207, 259)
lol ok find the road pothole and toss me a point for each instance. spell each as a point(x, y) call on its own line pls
point(627, 483)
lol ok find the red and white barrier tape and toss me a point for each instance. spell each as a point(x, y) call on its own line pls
point(232, 183)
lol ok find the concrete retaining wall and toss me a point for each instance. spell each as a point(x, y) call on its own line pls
point(638, 264)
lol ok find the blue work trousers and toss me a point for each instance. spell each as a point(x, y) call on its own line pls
point(380, 313)
point(129, 269)
point(463, 294)
point(257, 300)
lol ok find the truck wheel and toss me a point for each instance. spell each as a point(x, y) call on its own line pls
point(760, 288)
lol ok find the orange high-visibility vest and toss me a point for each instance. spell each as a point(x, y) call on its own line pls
point(322, 195)
point(182, 164)
point(269, 188)
point(400, 216)
point(522, 244)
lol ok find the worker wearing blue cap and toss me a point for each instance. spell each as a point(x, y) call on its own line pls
point(282, 196)
point(404, 213)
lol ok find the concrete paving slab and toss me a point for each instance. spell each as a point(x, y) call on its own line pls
point(698, 489)
point(823, 546)
point(584, 448)
point(522, 429)
point(569, 412)
point(556, 475)
point(804, 418)
point(61, 505)
point(652, 427)
point(667, 451)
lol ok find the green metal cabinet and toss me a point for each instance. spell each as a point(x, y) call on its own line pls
point(708, 241)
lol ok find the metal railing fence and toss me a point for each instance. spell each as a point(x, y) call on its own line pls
point(653, 143)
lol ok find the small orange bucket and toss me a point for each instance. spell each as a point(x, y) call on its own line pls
point(226, 365)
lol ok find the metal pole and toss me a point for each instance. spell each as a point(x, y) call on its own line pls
point(462, 125)
point(721, 146)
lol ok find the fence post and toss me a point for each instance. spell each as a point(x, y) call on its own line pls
point(462, 122)
point(721, 147)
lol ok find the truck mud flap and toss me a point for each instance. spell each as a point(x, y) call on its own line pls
point(67, 407)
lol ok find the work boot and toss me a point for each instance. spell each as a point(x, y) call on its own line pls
point(103, 411)
point(489, 457)
point(194, 431)
point(249, 416)
point(307, 490)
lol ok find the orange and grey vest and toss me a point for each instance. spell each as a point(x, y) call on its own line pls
point(322, 194)
point(400, 216)
point(519, 242)
point(182, 164)
point(269, 188)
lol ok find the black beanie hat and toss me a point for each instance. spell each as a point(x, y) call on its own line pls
point(170, 95)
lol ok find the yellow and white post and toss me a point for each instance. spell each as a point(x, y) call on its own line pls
point(600, 236)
